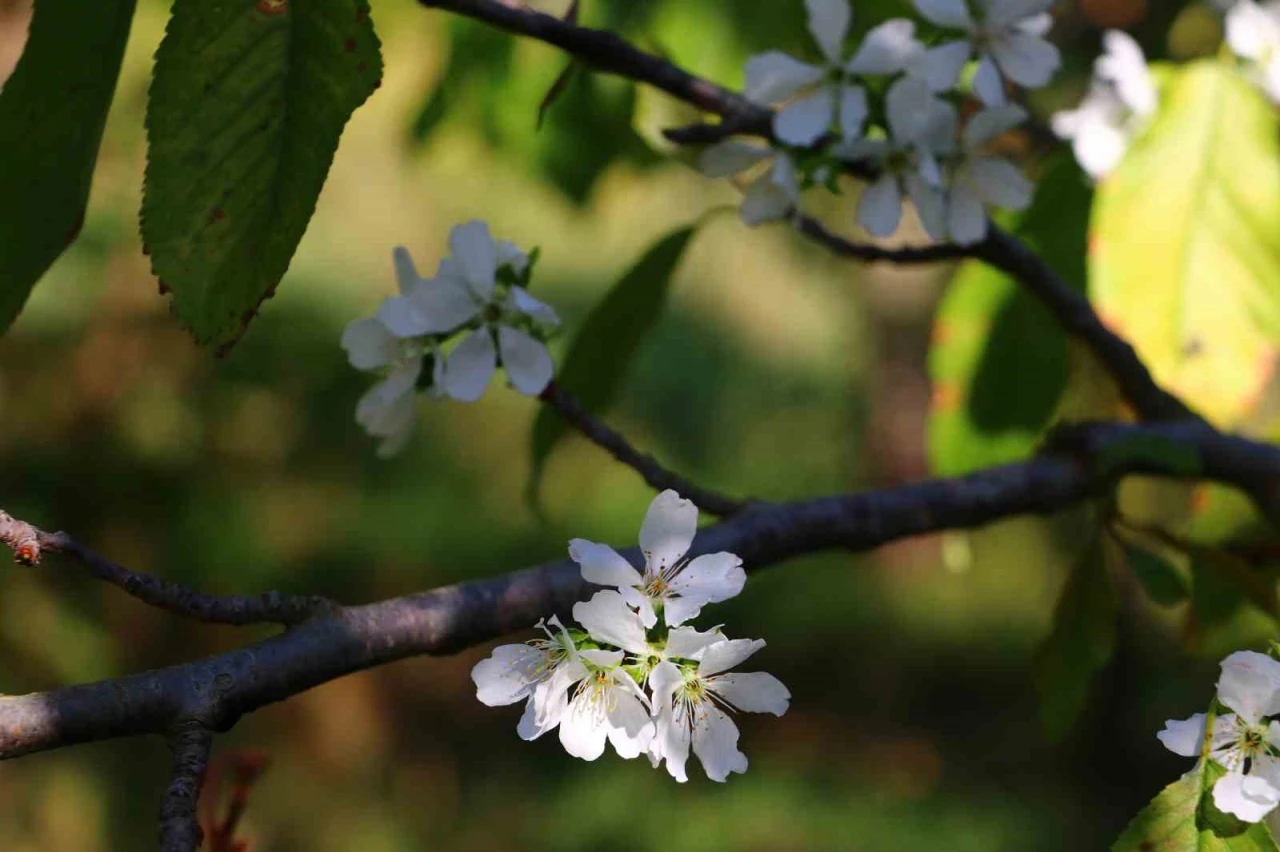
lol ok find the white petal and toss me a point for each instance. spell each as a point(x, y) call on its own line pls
point(518, 299)
point(608, 619)
point(551, 696)
point(687, 643)
point(582, 728)
point(1026, 59)
point(600, 658)
point(887, 49)
point(723, 656)
point(765, 201)
point(668, 530)
point(474, 251)
point(407, 276)
point(987, 83)
point(806, 120)
point(715, 742)
point(1099, 148)
point(383, 409)
point(853, 111)
point(784, 176)
point(602, 565)
point(369, 344)
point(775, 76)
point(509, 254)
point(1183, 736)
point(1125, 67)
point(1001, 14)
point(663, 681)
point(990, 123)
point(1248, 797)
point(730, 157)
point(642, 603)
point(710, 578)
point(999, 182)
point(508, 674)
point(946, 13)
point(1247, 30)
point(752, 692)
point(528, 727)
point(630, 728)
point(1250, 685)
point(470, 366)
point(829, 24)
point(930, 206)
point(527, 361)
point(966, 217)
point(940, 66)
point(1037, 25)
point(441, 304)
point(401, 318)
point(880, 207)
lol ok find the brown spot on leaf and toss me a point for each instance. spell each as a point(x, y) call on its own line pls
point(74, 230)
point(361, 68)
point(362, 14)
point(947, 397)
point(349, 45)
point(218, 214)
point(273, 7)
point(164, 288)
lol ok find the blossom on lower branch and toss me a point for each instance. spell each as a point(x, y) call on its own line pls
point(1243, 741)
point(589, 680)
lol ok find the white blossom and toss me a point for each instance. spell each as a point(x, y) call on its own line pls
point(821, 97)
point(1007, 39)
point(921, 129)
point(1121, 100)
point(979, 179)
point(386, 410)
point(690, 704)
point(539, 672)
point(1253, 33)
point(465, 289)
point(772, 195)
point(679, 586)
point(1244, 742)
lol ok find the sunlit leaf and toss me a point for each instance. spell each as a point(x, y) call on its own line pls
point(1185, 258)
point(246, 107)
point(1183, 818)
point(606, 344)
point(999, 361)
point(52, 111)
point(1080, 643)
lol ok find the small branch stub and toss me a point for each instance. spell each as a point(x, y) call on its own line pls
point(22, 538)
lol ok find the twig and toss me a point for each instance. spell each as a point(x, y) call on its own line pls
point(29, 544)
point(179, 829)
point(816, 231)
point(571, 409)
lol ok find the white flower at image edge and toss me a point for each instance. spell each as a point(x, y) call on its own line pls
point(1253, 32)
point(772, 195)
point(1242, 741)
point(690, 707)
point(980, 179)
point(1008, 41)
point(680, 587)
point(465, 287)
point(827, 96)
point(1121, 99)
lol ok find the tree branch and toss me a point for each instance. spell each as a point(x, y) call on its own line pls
point(179, 829)
point(29, 544)
point(571, 409)
point(1079, 463)
point(606, 52)
point(838, 245)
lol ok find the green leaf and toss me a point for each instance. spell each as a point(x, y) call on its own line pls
point(608, 340)
point(246, 107)
point(1185, 242)
point(999, 361)
point(1080, 643)
point(1161, 580)
point(1183, 818)
point(52, 111)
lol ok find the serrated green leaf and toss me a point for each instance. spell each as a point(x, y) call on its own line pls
point(1080, 643)
point(606, 344)
point(52, 111)
point(998, 361)
point(1183, 818)
point(1161, 580)
point(1185, 259)
point(247, 104)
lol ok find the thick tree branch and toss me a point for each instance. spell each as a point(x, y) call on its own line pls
point(571, 409)
point(179, 829)
point(605, 51)
point(29, 544)
point(1078, 464)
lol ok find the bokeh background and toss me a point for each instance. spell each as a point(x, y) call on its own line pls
point(777, 371)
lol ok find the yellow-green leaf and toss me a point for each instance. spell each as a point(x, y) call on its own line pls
point(1185, 244)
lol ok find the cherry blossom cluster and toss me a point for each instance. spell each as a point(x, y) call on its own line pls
point(632, 672)
point(891, 107)
point(1244, 739)
point(446, 335)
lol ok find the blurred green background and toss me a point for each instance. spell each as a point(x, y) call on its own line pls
point(777, 372)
